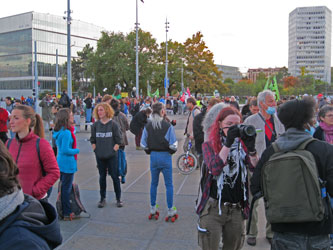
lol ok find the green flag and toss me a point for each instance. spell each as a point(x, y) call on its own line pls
point(267, 84)
point(275, 89)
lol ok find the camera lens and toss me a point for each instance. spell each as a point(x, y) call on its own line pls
point(250, 130)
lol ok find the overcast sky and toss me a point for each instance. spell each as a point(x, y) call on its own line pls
point(242, 33)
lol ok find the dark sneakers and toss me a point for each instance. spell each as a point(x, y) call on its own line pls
point(120, 204)
point(252, 241)
point(102, 203)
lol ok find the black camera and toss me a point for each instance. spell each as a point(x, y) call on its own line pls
point(246, 130)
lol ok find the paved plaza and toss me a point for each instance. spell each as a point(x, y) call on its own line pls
point(129, 227)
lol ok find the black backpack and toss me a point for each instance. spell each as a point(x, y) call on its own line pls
point(74, 199)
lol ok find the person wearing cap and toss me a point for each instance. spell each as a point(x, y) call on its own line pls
point(321, 100)
point(296, 115)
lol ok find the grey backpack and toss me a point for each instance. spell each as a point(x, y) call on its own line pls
point(292, 187)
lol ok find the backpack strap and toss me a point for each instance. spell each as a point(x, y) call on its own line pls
point(40, 160)
point(275, 147)
point(306, 143)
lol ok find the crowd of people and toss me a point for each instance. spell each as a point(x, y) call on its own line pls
point(233, 145)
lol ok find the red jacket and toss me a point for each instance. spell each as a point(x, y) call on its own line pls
point(3, 120)
point(30, 171)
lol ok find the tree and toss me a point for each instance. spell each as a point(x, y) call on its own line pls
point(290, 82)
point(202, 75)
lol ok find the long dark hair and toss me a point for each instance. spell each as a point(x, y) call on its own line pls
point(36, 121)
point(8, 172)
point(62, 119)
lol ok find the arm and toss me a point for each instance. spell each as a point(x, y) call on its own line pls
point(256, 177)
point(144, 138)
point(93, 136)
point(50, 167)
point(116, 133)
point(65, 149)
point(213, 161)
point(171, 138)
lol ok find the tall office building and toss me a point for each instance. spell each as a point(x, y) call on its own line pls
point(17, 36)
point(310, 31)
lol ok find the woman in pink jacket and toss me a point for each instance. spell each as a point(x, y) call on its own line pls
point(37, 173)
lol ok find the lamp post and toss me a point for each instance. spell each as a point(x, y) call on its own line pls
point(69, 66)
point(36, 78)
point(57, 74)
point(137, 51)
point(166, 80)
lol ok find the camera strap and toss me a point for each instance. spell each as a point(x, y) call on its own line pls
point(269, 127)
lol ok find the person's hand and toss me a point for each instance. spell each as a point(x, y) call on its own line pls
point(250, 143)
point(116, 147)
point(93, 146)
point(232, 134)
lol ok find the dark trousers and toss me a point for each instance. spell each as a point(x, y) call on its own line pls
point(138, 138)
point(111, 166)
point(3, 137)
point(66, 186)
point(291, 241)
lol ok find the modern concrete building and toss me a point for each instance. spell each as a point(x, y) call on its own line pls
point(230, 72)
point(252, 74)
point(310, 32)
point(17, 36)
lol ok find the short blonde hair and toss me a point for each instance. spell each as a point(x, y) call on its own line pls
point(108, 110)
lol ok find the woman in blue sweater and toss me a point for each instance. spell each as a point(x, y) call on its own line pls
point(67, 157)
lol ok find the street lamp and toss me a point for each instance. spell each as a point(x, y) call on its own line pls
point(166, 80)
point(69, 66)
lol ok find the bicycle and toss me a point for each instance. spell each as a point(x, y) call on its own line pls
point(187, 162)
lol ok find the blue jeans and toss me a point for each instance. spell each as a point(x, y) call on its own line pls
point(292, 241)
point(122, 162)
point(161, 162)
point(111, 166)
point(66, 187)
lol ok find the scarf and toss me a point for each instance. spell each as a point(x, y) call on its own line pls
point(328, 130)
point(74, 139)
point(9, 203)
point(235, 166)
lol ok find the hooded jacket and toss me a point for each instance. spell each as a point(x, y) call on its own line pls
point(105, 136)
point(32, 226)
point(121, 119)
point(65, 157)
point(24, 153)
point(322, 153)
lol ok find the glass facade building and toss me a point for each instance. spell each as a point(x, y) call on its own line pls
point(310, 32)
point(17, 36)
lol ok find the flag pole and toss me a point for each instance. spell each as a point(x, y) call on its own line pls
point(137, 52)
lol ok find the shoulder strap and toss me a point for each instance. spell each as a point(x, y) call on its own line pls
point(9, 142)
point(306, 143)
point(269, 127)
point(40, 160)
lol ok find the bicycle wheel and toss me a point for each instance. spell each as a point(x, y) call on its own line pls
point(187, 165)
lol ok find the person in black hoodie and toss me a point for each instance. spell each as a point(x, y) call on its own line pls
point(137, 124)
point(296, 115)
point(105, 140)
point(25, 223)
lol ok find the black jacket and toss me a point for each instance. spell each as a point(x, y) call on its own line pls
point(198, 132)
point(323, 154)
point(138, 122)
point(105, 136)
point(319, 134)
point(33, 225)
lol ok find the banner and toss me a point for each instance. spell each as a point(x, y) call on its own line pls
point(124, 94)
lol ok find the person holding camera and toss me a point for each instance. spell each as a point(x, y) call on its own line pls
point(269, 129)
point(224, 205)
